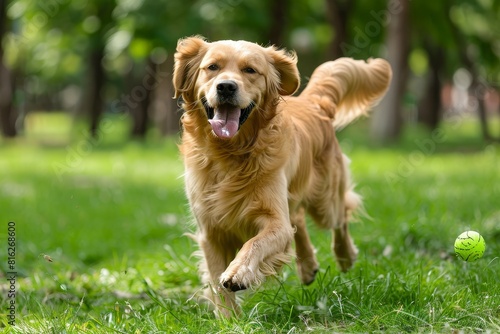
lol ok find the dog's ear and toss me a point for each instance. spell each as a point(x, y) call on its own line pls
point(187, 59)
point(286, 65)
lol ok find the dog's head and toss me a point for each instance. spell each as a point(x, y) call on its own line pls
point(231, 79)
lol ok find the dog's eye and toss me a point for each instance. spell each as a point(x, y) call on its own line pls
point(249, 70)
point(213, 67)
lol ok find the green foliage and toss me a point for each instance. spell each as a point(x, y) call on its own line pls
point(49, 41)
point(476, 20)
point(111, 217)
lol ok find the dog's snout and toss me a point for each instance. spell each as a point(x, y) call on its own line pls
point(227, 88)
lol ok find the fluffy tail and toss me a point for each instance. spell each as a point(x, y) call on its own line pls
point(347, 88)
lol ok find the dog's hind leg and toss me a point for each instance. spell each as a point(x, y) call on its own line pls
point(307, 265)
point(332, 209)
point(348, 201)
point(336, 219)
point(343, 246)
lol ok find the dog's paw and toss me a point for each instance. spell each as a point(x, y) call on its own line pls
point(232, 286)
point(307, 270)
point(239, 277)
point(346, 257)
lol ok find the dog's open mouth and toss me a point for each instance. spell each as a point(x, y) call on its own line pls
point(226, 119)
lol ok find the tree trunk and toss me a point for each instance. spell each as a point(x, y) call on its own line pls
point(140, 114)
point(429, 109)
point(387, 120)
point(98, 78)
point(338, 15)
point(483, 117)
point(279, 11)
point(8, 116)
point(7, 113)
point(166, 112)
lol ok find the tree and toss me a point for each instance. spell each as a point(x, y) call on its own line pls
point(433, 40)
point(279, 12)
point(155, 28)
point(102, 10)
point(339, 12)
point(429, 107)
point(67, 43)
point(140, 114)
point(467, 25)
point(62, 47)
point(387, 119)
point(7, 113)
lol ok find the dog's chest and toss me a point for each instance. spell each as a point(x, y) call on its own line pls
point(220, 195)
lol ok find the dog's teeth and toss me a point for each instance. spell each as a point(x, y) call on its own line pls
point(225, 132)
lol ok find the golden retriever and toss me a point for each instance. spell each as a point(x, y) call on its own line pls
point(257, 159)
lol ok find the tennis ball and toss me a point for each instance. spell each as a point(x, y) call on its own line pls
point(470, 246)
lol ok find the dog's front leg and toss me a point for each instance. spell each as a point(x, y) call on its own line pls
point(216, 261)
point(263, 254)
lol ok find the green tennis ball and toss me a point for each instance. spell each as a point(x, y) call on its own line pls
point(470, 246)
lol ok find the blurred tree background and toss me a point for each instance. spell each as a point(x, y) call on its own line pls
point(96, 61)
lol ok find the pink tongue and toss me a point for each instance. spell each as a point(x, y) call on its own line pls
point(226, 121)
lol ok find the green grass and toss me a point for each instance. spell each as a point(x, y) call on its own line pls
point(112, 215)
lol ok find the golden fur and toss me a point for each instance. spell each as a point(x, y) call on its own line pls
point(249, 190)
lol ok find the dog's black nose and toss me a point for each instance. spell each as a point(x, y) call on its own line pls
point(227, 88)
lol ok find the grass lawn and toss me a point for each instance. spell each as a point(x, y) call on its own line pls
point(100, 245)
